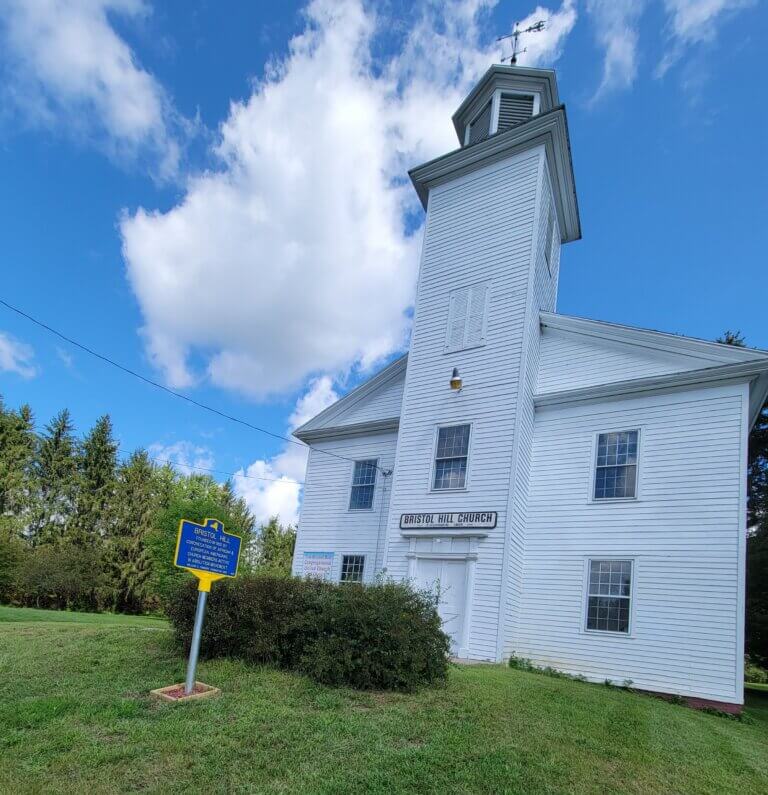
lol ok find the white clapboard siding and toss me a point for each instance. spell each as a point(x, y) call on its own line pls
point(570, 360)
point(382, 404)
point(684, 533)
point(542, 297)
point(479, 230)
point(326, 524)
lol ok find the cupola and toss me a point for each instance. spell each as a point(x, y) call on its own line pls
point(505, 97)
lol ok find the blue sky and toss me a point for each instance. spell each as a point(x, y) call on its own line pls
point(216, 198)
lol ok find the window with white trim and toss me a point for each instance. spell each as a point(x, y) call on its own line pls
point(352, 567)
point(609, 595)
point(616, 465)
point(363, 485)
point(467, 310)
point(451, 457)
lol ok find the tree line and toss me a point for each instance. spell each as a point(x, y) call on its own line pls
point(82, 530)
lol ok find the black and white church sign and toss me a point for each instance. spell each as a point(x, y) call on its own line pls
point(456, 520)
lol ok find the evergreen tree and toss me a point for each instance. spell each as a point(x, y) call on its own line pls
point(136, 504)
point(57, 477)
point(18, 447)
point(96, 487)
point(275, 547)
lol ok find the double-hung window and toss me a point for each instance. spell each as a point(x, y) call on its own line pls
point(616, 466)
point(352, 567)
point(363, 485)
point(609, 595)
point(451, 457)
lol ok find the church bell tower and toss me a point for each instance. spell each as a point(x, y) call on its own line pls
point(498, 209)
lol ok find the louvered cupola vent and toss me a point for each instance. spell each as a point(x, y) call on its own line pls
point(480, 127)
point(514, 109)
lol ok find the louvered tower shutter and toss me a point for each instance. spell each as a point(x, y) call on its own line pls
point(514, 109)
point(476, 317)
point(466, 317)
point(480, 127)
point(457, 320)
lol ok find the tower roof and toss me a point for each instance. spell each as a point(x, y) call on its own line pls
point(541, 82)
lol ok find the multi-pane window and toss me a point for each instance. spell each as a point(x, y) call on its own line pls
point(363, 485)
point(451, 457)
point(352, 568)
point(609, 595)
point(616, 465)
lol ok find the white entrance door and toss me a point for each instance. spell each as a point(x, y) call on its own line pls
point(447, 579)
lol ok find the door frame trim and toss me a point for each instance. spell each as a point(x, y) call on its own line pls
point(470, 558)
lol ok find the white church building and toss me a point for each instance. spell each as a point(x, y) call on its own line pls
point(574, 491)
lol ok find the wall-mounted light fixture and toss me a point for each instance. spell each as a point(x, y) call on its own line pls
point(456, 382)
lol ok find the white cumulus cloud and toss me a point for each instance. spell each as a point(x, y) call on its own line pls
point(16, 357)
point(68, 67)
point(298, 254)
point(188, 457)
point(279, 494)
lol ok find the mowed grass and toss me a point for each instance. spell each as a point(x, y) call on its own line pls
point(76, 715)
point(25, 615)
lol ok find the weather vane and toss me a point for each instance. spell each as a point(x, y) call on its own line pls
point(515, 36)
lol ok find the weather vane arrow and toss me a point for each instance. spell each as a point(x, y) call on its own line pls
point(517, 31)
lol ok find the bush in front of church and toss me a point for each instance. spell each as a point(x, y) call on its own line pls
point(384, 636)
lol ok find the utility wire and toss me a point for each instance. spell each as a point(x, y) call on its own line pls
point(166, 389)
point(209, 469)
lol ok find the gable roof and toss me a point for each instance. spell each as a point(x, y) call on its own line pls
point(700, 362)
point(342, 416)
point(659, 341)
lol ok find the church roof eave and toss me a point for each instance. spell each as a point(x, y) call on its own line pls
point(659, 341)
point(754, 372)
point(323, 423)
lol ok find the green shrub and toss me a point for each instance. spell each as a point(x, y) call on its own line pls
point(754, 673)
point(383, 636)
point(61, 577)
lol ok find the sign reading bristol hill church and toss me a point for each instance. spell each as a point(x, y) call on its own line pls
point(461, 520)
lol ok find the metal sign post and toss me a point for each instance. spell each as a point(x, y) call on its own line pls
point(210, 554)
point(194, 651)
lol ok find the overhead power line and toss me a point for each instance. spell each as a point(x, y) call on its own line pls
point(168, 390)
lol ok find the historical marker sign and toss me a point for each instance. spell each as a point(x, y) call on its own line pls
point(210, 554)
point(207, 548)
point(456, 520)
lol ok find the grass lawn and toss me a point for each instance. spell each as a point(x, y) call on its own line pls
point(27, 614)
point(75, 715)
